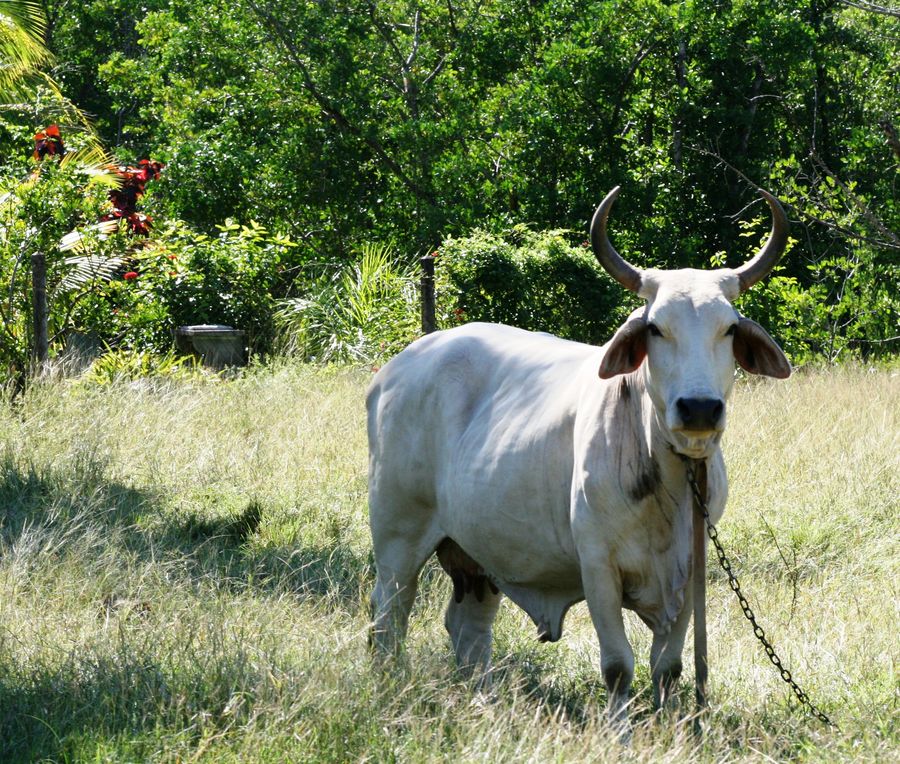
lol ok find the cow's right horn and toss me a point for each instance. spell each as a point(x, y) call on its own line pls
point(764, 260)
point(619, 268)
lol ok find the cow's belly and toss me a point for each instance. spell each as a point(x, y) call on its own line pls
point(519, 533)
point(532, 554)
point(541, 578)
point(513, 519)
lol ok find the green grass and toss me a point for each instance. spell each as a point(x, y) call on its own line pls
point(185, 566)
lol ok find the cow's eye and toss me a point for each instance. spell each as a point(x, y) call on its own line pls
point(654, 330)
point(731, 330)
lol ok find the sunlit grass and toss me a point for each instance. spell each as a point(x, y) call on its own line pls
point(185, 566)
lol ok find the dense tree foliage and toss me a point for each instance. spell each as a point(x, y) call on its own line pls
point(341, 124)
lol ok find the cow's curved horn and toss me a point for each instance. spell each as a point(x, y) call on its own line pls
point(619, 268)
point(764, 260)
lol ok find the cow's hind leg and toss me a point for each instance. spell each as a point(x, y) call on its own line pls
point(397, 565)
point(470, 615)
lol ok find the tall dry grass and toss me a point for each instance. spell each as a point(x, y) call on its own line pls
point(184, 570)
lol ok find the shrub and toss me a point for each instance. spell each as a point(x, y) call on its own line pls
point(534, 280)
point(128, 365)
point(847, 309)
point(51, 206)
point(183, 277)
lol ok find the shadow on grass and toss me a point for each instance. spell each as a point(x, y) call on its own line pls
point(46, 711)
point(124, 699)
point(52, 503)
point(559, 693)
point(98, 695)
point(46, 507)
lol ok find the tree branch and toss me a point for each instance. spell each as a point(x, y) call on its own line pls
point(865, 5)
point(892, 241)
point(643, 51)
point(860, 205)
point(383, 31)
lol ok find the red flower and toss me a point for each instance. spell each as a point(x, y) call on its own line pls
point(48, 142)
point(130, 275)
point(150, 170)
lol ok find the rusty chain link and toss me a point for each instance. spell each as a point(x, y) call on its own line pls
point(735, 585)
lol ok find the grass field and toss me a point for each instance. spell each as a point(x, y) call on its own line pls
point(185, 567)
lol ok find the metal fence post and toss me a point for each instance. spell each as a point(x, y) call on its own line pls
point(427, 290)
point(41, 347)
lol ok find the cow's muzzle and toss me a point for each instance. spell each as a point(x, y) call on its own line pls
point(700, 415)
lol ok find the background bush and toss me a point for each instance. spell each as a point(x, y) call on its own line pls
point(534, 280)
point(52, 207)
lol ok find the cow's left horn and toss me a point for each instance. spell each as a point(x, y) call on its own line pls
point(763, 262)
point(619, 268)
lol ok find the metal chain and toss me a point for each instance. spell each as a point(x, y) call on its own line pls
point(745, 605)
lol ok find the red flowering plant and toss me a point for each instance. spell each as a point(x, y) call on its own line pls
point(52, 200)
point(142, 293)
point(125, 198)
point(107, 277)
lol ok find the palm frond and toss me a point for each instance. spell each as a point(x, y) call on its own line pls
point(75, 240)
point(25, 85)
point(364, 312)
point(25, 15)
point(86, 269)
point(22, 52)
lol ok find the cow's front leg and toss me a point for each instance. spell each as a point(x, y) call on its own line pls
point(665, 655)
point(603, 592)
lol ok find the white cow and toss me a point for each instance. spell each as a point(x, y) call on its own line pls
point(552, 471)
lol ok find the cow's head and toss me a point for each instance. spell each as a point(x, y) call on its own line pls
point(690, 334)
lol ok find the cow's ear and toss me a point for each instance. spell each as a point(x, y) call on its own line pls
point(626, 350)
point(757, 352)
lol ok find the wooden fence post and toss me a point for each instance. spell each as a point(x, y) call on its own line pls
point(701, 665)
point(41, 346)
point(427, 290)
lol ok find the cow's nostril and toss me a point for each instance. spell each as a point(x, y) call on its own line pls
point(700, 413)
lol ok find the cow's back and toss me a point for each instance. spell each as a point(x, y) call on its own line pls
point(469, 379)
